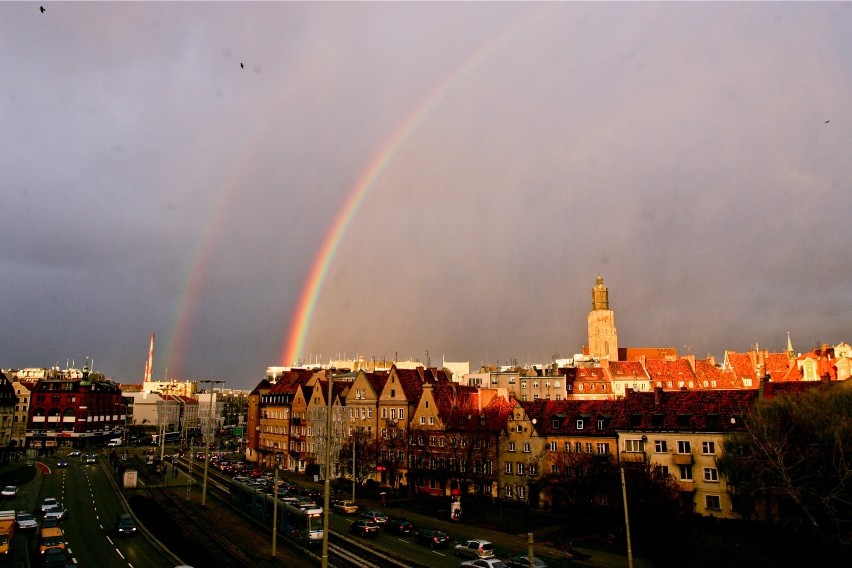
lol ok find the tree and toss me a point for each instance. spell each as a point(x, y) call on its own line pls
point(791, 465)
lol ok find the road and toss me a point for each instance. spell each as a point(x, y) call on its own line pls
point(93, 506)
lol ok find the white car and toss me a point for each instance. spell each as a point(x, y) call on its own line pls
point(25, 521)
point(48, 504)
point(74, 453)
point(9, 491)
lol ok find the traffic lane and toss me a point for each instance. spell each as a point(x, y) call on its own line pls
point(403, 546)
point(93, 507)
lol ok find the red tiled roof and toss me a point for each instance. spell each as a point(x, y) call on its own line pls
point(663, 372)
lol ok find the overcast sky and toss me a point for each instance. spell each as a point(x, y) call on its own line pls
point(698, 156)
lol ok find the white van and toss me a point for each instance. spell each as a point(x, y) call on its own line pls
point(114, 442)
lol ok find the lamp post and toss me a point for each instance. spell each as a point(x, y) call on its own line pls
point(326, 500)
point(275, 499)
point(207, 442)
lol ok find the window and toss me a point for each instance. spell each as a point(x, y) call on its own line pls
point(551, 446)
point(711, 474)
point(603, 448)
point(384, 432)
point(708, 447)
point(660, 446)
point(393, 414)
point(509, 491)
point(509, 467)
point(601, 423)
point(713, 502)
point(511, 446)
point(554, 469)
point(578, 447)
point(634, 445)
point(588, 447)
point(520, 468)
point(662, 470)
point(555, 423)
point(384, 413)
point(402, 414)
point(686, 473)
point(423, 420)
point(567, 446)
point(580, 424)
point(431, 420)
point(684, 447)
point(521, 491)
point(527, 447)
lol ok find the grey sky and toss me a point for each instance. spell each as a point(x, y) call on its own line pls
point(681, 150)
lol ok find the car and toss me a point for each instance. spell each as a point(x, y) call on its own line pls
point(475, 549)
point(376, 516)
point(48, 503)
point(25, 521)
point(91, 458)
point(345, 507)
point(522, 561)
point(433, 538)
point(364, 527)
point(125, 525)
point(62, 463)
point(59, 513)
point(399, 526)
point(74, 453)
point(49, 523)
point(483, 563)
point(9, 491)
point(54, 557)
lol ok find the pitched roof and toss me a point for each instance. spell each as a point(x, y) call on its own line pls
point(664, 372)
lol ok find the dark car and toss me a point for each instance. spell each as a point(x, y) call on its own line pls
point(433, 538)
point(399, 526)
point(125, 525)
point(521, 561)
point(364, 527)
point(54, 557)
point(62, 463)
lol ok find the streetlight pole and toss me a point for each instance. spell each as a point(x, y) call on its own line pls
point(207, 442)
point(326, 500)
point(275, 499)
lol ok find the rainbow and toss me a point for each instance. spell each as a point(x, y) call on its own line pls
point(295, 339)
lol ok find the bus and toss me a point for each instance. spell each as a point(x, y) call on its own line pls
point(171, 438)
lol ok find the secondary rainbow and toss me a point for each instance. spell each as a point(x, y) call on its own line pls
point(295, 339)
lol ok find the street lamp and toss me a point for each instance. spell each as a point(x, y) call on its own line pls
point(275, 498)
point(207, 442)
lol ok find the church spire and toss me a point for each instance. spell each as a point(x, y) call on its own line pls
point(600, 295)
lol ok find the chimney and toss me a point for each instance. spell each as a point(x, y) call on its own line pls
point(658, 396)
point(763, 381)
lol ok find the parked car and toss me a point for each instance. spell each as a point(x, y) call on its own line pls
point(432, 538)
point(345, 507)
point(9, 491)
point(475, 549)
point(399, 526)
point(48, 504)
point(521, 561)
point(363, 527)
point(25, 521)
point(58, 512)
point(483, 563)
point(376, 516)
point(125, 525)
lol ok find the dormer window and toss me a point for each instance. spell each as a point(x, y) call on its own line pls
point(580, 424)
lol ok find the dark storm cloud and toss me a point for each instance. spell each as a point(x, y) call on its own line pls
point(681, 150)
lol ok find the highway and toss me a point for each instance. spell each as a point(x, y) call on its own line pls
point(93, 506)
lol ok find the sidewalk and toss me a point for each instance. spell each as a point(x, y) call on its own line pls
point(507, 544)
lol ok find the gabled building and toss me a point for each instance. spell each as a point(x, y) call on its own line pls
point(671, 375)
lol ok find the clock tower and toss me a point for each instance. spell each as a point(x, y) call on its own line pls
point(603, 337)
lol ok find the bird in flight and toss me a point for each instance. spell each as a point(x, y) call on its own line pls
point(242, 66)
point(827, 121)
point(41, 8)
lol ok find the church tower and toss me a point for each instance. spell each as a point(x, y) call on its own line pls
point(603, 338)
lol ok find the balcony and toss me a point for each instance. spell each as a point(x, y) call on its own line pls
point(682, 459)
point(632, 457)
